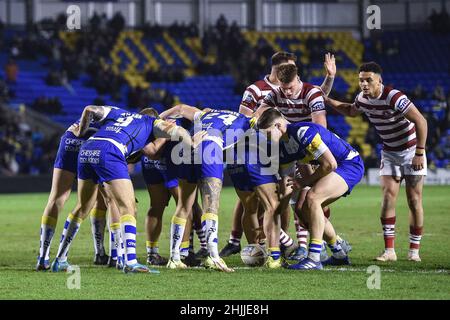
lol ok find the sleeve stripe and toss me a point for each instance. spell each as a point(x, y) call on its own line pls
point(317, 147)
point(316, 100)
point(253, 93)
point(313, 96)
point(395, 98)
point(256, 92)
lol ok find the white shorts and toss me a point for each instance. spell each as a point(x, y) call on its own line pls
point(398, 163)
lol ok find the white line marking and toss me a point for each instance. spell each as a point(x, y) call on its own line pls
point(339, 269)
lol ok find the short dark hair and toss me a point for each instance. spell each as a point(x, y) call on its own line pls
point(282, 57)
point(268, 117)
point(287, 72)
point(150, 112)
point(371, 67)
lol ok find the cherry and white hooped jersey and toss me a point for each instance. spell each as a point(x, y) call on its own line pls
point(387, 114)
point(299, 109)
point(256, 92)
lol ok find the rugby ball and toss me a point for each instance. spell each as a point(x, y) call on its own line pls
point(254, 255)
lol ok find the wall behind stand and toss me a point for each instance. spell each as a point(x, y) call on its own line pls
point(43, 183)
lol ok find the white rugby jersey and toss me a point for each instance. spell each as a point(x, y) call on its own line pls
point(308, 101)
point(387, 114)
point(256, 92)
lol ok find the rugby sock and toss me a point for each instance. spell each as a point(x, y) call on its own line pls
point(388, 232)
point(114, 242)
point(210, 222)
point(98, 224)
point(201, 237)
point(235, 237)
point(191, 241)
point(176, 236)
point(71, 228)
point(285, 239)
point(315, 246)
point(48, 225)
point(275, 253)
point(336, 249)
point(184, 249)
point(128, 228)
point(120, 248)
point(152, 247)
point(302, 235)
point(415, 235)
point(118, 240)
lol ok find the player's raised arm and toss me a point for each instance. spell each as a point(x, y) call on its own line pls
point(330, 68)
point(96, 113)
point(414, 115)
point(344, 108)
point(180, 110)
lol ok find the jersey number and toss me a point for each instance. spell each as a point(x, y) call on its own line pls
point(123, 121)
point(226, 118)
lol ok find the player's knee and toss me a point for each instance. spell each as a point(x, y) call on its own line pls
point(415, 202)
point(159, 204)
point(57, 202)
point(182, 212)
point(389, 197)
point(312, 199)
point(125, 208)
point(156, 210)
point(269, 208)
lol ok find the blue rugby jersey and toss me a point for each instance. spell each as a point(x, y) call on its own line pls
point(131, 130)
point(307, 141)
point(91, 130)
point(217, 122)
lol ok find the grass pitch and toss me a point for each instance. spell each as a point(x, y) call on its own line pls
point(356, 218)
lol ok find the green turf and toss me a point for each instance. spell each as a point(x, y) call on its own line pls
point(356, 218)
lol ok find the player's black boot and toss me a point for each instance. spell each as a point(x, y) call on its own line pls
point(230, 249)
point(202, 253)
point(101, 260)
point(191, 260)
point(154, 259)
point(112, 262)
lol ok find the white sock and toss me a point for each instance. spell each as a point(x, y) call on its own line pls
point(128, 228)
point(114, 244)
point(48, 225)
point(176, 236)
point(71, 228)
point(98, 224)
point(210, 221)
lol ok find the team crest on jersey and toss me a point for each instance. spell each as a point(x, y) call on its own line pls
point(402, 104)
point(248, 98)
point(319, 105)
